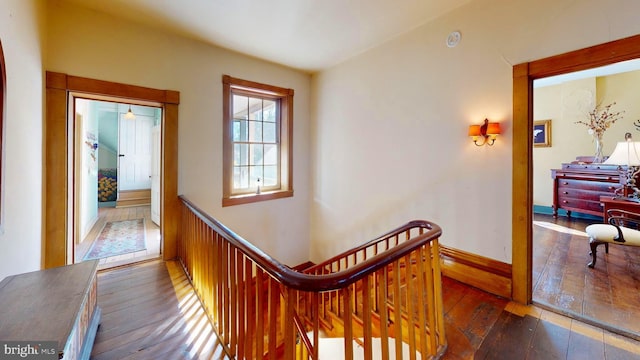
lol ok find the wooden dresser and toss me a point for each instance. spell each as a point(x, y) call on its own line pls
point(577, 186)
point(56, 305)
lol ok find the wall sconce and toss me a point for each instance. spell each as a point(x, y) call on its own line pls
point(130, 115)
point(489, 132)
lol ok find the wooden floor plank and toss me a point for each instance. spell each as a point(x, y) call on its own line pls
point(606, 294)
point(510, 338)
point(549, 342)
point(581, 347)
point(149, 313)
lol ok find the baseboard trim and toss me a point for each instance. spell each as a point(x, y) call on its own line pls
point(487, 274)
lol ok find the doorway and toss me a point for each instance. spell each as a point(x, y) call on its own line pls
point(523, 77)
point(59, 178)
point(117, 162)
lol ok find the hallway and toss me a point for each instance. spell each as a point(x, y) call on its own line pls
point(107, 214)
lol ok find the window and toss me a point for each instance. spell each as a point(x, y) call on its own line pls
point(257, 142)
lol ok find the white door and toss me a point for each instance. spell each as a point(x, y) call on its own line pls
point(134, 153)
point(155, 174)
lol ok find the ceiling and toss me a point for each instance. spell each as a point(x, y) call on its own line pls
point(310, 35)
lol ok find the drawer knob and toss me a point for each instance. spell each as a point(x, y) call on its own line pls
point(565, 192)
point(565, 202)
point(565, 183)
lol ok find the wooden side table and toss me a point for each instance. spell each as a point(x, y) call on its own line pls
point(57, 305)
point(609, 202)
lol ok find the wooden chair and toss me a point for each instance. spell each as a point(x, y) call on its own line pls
point(623, 228)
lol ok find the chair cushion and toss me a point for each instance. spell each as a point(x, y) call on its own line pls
point(606, 233)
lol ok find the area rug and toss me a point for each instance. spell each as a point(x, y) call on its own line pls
point(117, 238)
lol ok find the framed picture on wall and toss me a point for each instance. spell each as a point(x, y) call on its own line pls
point(542, 133)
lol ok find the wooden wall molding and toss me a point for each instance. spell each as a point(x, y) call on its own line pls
point(487, 274)
point(56, 211)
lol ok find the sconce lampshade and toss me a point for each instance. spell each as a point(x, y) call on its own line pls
point(474, 130)
point(493, 129)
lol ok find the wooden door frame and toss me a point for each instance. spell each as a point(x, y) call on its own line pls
point(522, 180)
point(58, 177)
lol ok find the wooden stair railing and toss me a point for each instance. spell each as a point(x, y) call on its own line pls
point(387, 291)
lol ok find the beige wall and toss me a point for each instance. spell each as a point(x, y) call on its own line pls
point(20, 228)
point(91, 44)
point(564, 104)
point(389, 126)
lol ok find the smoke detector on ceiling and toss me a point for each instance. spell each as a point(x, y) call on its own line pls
point(453, 39)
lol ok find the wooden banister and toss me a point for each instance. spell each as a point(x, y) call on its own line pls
point(387, 290)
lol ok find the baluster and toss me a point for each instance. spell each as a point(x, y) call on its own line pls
point(366, 311)
point(410, 303)
point(272, 320)
point(397, 309)
point(348, 326)
point(430, 295)
point(260, 311)
point(423, 299)
point(241, 309)
point(437, 285)
point(289, 331)
point(384, 312)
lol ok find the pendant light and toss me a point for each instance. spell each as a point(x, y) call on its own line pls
point(130, 115)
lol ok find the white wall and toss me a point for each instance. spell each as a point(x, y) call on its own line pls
point(88, 172)
point(91, 44)
point(389, 126)
point(21, 213)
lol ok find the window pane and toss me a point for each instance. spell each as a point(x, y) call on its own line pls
point(256, 154)
point(255, 173)
point(240, 177)
point(255, 131)
point(240, 132)
point(271, 154)
point(269, 111)
point(269, 132)
point(240, 154)
point(240, 107)
point(270, 175)
point(255, 109)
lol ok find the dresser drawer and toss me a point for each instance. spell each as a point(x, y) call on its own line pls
point(593, 167)
point(593, 195)
point(581, 204)
point(601, 186)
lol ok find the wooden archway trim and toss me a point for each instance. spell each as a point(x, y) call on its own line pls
point(56, 170)
point(522, 179)
point(3, 99)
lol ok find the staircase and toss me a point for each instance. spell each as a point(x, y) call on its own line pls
point(380, 300)
point(128, 198)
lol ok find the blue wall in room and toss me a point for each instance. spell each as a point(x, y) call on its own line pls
point(548, 210)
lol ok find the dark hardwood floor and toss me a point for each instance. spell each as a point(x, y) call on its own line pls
point(607, 295)
point(149, 311)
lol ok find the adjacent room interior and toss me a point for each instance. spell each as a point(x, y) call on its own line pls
point(562, 281)
point(117, 162)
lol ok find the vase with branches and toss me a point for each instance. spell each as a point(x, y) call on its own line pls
point(599, 120)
